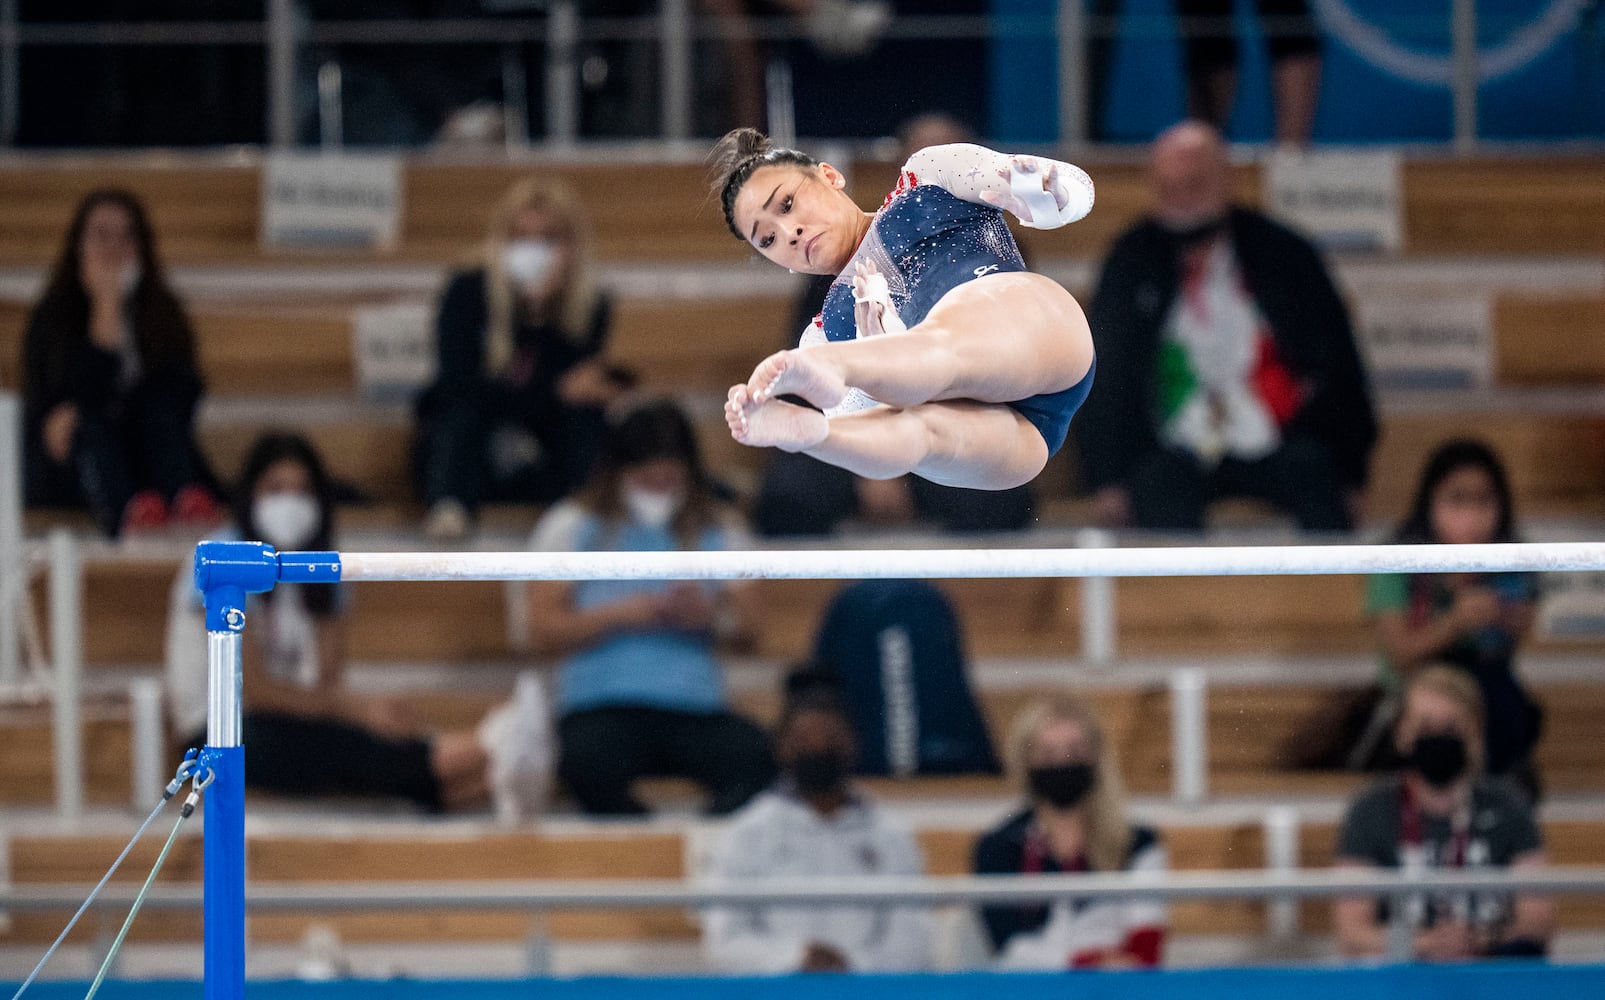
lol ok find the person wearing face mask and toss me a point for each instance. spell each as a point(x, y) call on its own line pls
point(1228, 362)
point(639, 687)
point(109, 382)
point(1074, 821)
point(814, 824)
point(305, 732)
point(515, 411)
point(1442, 812)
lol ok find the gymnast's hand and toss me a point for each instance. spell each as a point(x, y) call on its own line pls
point(1043, 193)
point(873, 310)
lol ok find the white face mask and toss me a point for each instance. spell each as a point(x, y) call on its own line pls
point(650, 508)
point(286, 520)
point(528, 262)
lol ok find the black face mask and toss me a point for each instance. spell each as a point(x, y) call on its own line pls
point(819, 773)
point(1440, 758)
point(1063, 787)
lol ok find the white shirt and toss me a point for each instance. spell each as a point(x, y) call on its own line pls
point(1096, 926)
point(778, 836)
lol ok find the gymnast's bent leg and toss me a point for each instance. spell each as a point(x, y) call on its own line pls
point(997, 339)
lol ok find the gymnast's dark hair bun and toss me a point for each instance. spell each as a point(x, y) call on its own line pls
point(734, 160)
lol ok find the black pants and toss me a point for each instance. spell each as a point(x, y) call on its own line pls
point(602, 751)
point(454, 459)
point(295, 756)
point(804, 496)
point(1170, 489)
point(141, 441)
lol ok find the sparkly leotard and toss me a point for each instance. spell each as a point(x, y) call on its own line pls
point(925, 241)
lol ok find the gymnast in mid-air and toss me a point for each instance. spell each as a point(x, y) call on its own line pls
point(937, 352)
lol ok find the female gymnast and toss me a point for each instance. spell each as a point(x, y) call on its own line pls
point(937, 352)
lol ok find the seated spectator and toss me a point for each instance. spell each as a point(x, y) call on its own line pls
point(813, 823)
point(515, 411)
point(1226, 363)
point(639, 690)
point(1442, 812)
point(1074, 820)
point(305, 732)
point(801, 495)
point(1473, 622)
point(109, 380)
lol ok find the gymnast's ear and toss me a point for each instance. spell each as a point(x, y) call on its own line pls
point(835, 178)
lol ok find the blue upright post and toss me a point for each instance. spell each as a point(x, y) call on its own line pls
point(224, 573)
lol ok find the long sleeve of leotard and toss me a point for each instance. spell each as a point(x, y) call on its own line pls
point(1016, 183)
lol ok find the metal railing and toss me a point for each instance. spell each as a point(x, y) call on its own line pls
point(285, 35)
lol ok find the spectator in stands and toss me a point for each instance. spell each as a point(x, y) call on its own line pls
point(515, 412)
point(1292, 43)
point(308, 734)
point(1472, 622)
point(639, 691)
point(1441, 812)
point(1074, 821)
point(814, 824)
point(801, 495)
point(1226, 363)
point(109, 379)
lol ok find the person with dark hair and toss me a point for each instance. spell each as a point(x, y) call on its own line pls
point(515, 411)
point(305, 732)
point(937, 352)
point(1075, 820)
point(1473, 622)
point(109, 379)
point(639, 688)
point(814, 824)
point(1229, 365)
point(1442, 811)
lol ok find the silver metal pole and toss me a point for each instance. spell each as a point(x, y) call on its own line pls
point(782, 107)
point(331, 106)
point(224, 683)
point(675, 99)
point(10, 73)
point(515, 99)
point(66, 647)
point(281, 59)
point(562, 75)
point(1463, 30)
point(145, 741)
point(1072, 73)
point(1189, 749)
point(1281, 857)
point(12, 566)
point(1098, 626)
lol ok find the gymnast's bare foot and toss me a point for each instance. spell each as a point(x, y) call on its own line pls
point(772, 423)
point(801, 372)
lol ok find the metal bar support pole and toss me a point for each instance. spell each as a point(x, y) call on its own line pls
point(1072, 73)
point(145, 751)
point(676, 68)
point(1098, 627)
point(66, 649)
point(1463, 31)
point(13, 569)
point(282, 32)
point(1189, 746)
point(1281, 857)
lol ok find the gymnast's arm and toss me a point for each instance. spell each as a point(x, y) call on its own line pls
point(1042, 193)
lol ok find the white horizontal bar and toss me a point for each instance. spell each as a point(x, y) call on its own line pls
point(928, 891)
point(1266, 560)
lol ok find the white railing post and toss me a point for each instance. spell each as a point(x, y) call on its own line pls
point(1281, 857)
point(1463, 32)
point(675, 97)
point(13, 568)
point(1072, 33)
point(66, 650)
point(282, 31)
point(145, 741)
point(1098, 625)
point(562, 75)
point(1189, 748)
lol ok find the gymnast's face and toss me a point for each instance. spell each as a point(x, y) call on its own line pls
point(802, 219)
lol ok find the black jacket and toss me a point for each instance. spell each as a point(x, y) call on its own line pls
point(1117, 425)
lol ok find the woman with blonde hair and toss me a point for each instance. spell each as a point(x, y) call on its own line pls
point(1074, 821)
point(515, 412)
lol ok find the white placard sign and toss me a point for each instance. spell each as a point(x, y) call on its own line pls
point(320, 201)
point(393, 349)
point(1572, 607)
point(1344, 200)
point(1434, 340)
